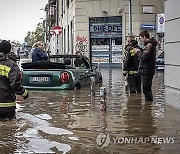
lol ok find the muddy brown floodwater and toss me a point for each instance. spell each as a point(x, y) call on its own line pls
point(71, 122)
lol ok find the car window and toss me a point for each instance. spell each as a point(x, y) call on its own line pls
point(74, 61)
point(78, 62)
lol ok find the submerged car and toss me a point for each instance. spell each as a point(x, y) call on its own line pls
point(60, 72)
point(160, 62)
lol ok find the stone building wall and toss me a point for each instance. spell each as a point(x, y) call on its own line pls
point(172, 52)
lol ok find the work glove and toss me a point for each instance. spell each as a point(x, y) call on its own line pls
point(124, 73)
point(25, 95)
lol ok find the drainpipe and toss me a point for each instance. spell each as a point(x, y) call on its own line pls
point(48, 27)
point(57, 24)
point(130, 18)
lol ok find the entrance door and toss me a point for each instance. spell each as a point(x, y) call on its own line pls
point(100, 49)
point(107, 51)
point(116, 52)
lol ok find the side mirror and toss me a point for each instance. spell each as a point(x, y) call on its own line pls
point(94, 67)
point(18, 58)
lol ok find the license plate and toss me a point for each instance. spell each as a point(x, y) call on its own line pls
point(160, 68)
point(39, 79)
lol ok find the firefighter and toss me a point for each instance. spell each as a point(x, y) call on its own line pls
point(131, 65)
point(10, 82)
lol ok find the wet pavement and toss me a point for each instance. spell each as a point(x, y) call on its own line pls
point(71, 122)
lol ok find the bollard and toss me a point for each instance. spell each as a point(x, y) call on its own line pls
point(102, 98)
point(102, 106)
point(92, 85)
point(102, 93)
point(126, 84)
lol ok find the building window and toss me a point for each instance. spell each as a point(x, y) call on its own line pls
point(72, 37)
point(62, 8)
point(147, 9)
point(68, 40)
point(64, 41)
point(100, 41)
point(67, 3)
point(118, 41)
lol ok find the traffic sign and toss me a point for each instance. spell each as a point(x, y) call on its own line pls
point(161, 20)
point(57, 30)
point(160, 23)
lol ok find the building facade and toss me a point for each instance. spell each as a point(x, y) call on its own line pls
point(97, 28)
point(172, 46)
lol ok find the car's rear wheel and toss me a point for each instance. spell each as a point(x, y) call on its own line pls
point(77, 86)
point(100, 80)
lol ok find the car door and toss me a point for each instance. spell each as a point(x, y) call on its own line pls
point(84, 71)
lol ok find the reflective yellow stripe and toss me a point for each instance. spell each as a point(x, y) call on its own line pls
point(7, 104)
point(132, 72)
point(125, 72)
point(24, 94)
point(132, 52)
point(4, 70)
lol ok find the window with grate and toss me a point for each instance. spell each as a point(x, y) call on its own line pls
point(67, 3)
point(105, 20)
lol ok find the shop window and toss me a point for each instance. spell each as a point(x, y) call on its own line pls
point(100, 44)
point(67, 3)
point(118, 41)
point(117, 44)
point(100, 41)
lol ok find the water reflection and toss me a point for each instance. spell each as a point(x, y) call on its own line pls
point(139, 117)
point(64, 105)
point(102, 121)
point(8, 142)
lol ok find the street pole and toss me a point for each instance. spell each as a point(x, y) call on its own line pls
point(57, 24)
point(48, 26)
point(46, 29)
point(44, 25)
point(130, 18)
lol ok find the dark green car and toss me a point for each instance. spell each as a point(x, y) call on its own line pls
point(60, 72)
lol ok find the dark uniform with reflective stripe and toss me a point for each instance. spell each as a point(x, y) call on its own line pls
point(10, 86)
point(130, 67)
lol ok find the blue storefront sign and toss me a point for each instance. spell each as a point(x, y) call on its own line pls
point(148, 26)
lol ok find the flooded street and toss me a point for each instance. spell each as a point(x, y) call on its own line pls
point(71, 122)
